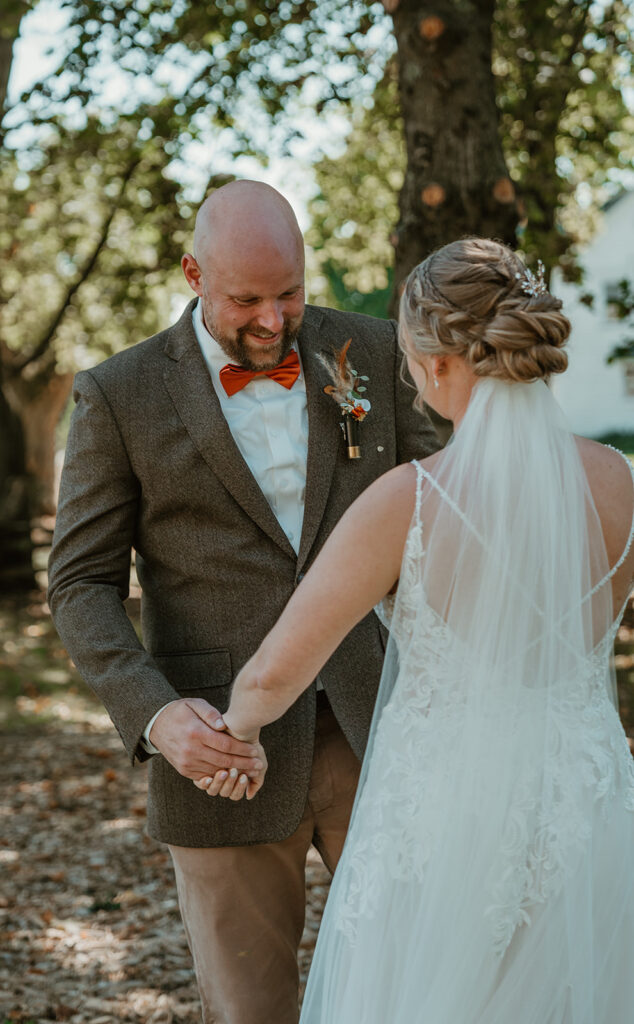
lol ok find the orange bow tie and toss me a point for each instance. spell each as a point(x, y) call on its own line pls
point(233, 377)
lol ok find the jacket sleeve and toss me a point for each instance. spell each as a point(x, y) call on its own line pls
point(416, 435)
point(90, 565)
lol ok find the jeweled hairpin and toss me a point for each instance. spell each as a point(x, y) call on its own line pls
point(533, 284)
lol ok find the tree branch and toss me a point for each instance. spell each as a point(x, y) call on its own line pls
point(16, 366)
point(13, 12)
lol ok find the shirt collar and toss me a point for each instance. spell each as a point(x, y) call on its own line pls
point(215, 356)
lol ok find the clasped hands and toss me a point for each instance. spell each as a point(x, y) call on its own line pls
point(193, 737)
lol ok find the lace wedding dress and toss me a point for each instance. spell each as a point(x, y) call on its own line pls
point(487, 877)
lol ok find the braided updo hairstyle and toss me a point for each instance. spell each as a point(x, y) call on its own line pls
point(466, 299)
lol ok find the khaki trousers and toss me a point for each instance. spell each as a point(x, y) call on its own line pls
point(243, 906)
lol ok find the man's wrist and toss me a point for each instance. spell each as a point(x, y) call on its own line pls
point(145, 741)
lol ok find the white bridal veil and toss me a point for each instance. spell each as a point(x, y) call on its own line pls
point(487, 877)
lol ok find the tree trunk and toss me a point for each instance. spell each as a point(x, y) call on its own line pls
point(16, 549)
point(456, 182)
point(40, 404)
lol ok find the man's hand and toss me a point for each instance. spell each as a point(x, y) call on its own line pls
point(191, 735)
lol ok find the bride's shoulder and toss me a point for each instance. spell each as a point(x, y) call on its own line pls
point(384, 510)
point(399, 483)
point(392, 496)
point(606, 468)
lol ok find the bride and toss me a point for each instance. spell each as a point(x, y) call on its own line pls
point(487, 874)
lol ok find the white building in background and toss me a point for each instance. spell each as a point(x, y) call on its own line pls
point(598, 398)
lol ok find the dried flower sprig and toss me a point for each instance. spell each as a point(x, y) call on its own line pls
point(347, 389)
point(347, 386)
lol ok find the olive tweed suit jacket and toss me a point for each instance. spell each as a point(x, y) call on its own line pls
point(151, 465)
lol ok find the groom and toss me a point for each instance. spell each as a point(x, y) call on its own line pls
point(213, 451)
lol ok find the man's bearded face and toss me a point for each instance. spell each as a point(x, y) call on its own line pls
point(254, 309)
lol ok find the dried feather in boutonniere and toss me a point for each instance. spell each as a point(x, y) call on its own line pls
point(347, 389)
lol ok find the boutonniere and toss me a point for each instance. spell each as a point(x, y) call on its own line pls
point(347, 389)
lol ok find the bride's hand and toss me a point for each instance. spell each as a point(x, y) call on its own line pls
point(233, 784)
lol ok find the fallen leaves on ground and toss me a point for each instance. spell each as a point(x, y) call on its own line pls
point(90, 931)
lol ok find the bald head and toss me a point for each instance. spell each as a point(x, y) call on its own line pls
point(244, 216)
point(248, 269)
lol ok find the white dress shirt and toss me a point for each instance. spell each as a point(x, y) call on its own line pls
point(269, 424)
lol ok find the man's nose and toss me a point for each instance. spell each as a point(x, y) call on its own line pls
point(271, 317)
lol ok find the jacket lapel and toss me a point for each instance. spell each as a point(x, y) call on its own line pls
point(324, 433)
point(192, 392)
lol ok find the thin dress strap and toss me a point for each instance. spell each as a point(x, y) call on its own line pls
point(423, 474)
point(420, 476)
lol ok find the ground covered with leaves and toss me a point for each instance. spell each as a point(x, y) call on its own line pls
point(89, 926)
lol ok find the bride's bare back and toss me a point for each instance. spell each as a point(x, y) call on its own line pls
point(612, 489)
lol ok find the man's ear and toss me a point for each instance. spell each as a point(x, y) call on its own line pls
point(192, 272)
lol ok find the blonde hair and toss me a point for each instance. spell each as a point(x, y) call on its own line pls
point(466, 299)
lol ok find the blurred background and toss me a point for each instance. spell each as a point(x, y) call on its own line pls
point(392, 128)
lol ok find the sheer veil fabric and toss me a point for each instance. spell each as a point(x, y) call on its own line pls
point(486, 878)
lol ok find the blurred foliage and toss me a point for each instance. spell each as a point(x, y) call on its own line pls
point(95, 209)
point(87, 237)
point(93, 167)
point(371, 303)
point(625, 444)
point(560, 69)
point(224, 53)
point(622, 303)
point(356, 210)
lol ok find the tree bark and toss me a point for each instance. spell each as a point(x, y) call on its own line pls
point(41, 403)
point(456, 182)
point(16, 548)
